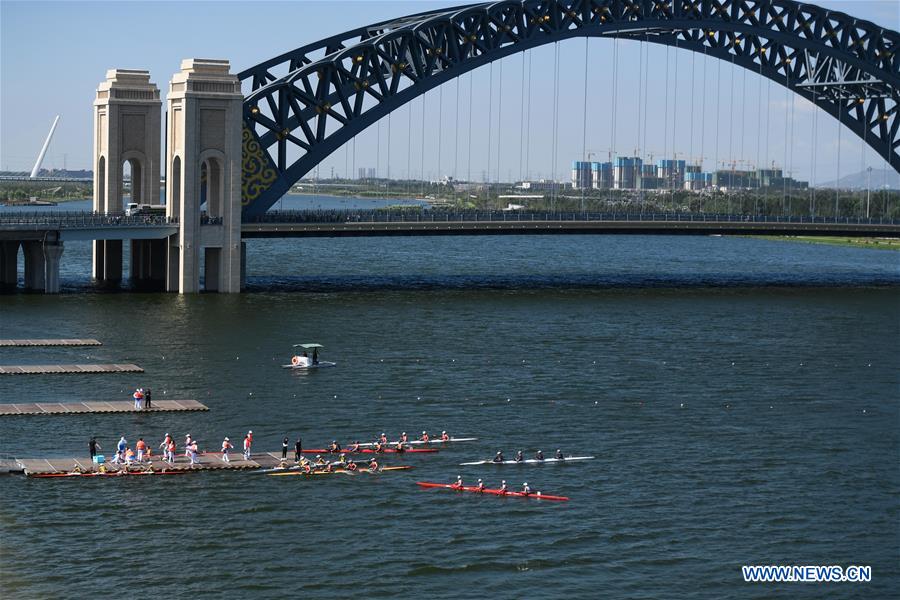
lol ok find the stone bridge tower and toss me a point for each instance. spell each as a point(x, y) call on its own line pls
point(127, 130)
point(203, 184)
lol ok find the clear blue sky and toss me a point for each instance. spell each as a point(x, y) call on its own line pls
point(53, 55)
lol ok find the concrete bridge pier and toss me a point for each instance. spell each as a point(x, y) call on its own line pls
point(52, 254)
point(35, 268)
point(9, 265)
point(148, 264)
point(108, 262)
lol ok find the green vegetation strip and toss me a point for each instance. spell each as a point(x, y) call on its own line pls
point(877, 243)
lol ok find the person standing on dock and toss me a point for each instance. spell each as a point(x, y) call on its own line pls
point(170, 452)
point(193, 450)
point(226, 446)
point(141, 448)
point(138, 397)
point(248, 442)
point(165, 443)
point(147, 403)
point(284, 446)
point(298, 450)
point(94, 446)
point(187, 445)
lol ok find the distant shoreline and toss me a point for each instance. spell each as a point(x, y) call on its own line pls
point(871, 243)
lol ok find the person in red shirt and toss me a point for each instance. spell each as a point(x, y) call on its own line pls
point(424, 437)
point(141, 447)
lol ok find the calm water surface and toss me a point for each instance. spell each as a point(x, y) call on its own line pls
point(741, 397)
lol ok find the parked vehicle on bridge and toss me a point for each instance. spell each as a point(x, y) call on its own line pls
point(306, 361)
point(133, 209)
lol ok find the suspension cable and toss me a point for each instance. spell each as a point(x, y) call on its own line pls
point(718, 118)
point(422, 150)
point(469, 136)
point(666, 116)
point(388, 166)
point(674, 163)
point(768, 121)
point(791, 157)
point(615, 93)
point(528, 119)
point(837, 191)
point(456, 136)
point(499, 116)
point(408, 147)
point(440, 127)
point(646, 69)
point(490, 122)
point(731, 132)
point(378, 150)
point(691, 111)
point(637, 142)
point(787, 102)
point(555, 194)
point(812, 167)
point(585, 161)
point(759, 83)
point(703, 120)
point(522, 119)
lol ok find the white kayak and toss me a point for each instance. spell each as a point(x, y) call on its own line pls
point(319, 365)
point(528, 461)
point(420, 442)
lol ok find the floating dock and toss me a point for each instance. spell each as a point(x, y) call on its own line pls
point(58, 369)
point(59, 342)
point(208, 462)
point(67, 408)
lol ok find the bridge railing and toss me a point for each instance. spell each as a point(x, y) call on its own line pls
point(80, 219)
point(469, 216)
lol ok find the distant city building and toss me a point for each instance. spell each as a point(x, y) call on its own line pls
point(627, 172)
point(582, 174)
point(734, 179)
point(362, 173)
point(371, 173)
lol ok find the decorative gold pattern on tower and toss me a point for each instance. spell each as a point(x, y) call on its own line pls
point(258, 173)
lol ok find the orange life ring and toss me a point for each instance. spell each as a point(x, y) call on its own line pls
point(295, 361)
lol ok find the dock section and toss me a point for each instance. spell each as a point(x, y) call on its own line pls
point(60, 369)
point(70, 408)
point(48, 342)
point(208, 462)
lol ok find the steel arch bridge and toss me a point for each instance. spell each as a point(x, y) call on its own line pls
point(305, 104)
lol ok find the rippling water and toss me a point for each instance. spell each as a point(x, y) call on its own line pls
point(741, 397)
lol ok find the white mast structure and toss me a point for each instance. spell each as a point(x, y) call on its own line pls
point(40, 158)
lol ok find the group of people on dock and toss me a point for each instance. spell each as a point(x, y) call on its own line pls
point(142, 399)
point(142, 454)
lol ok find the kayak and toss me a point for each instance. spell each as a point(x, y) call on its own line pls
point(367, 451)
point(108, 474)
point(447, 486)
point(529, 461)
point(420, 442)
point(343, 471)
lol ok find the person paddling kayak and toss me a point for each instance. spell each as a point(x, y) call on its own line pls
point(334, 448)
point(519, 456)
point(480, 485)
point(398, 447)
point(559, 455)
point(425, 437)
point(498, 458)
point(354, 447)
point(403, 437)
point(383, 438)
point(445, 437)
point(538, 455)
point(525, 489)
point(503, 488)
point(351, 466)
point(373, 464)
point(458, 484)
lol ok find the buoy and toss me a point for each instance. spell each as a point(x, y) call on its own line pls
point(295, 360)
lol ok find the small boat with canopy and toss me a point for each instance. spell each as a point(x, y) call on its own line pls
point(308, 358)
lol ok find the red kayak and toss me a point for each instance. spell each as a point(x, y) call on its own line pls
point(368, 451)
point(108, 474)
point(447, 486)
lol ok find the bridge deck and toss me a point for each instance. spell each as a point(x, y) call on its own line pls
point(71, 408)
point(49, 342)
point(209, 461)
point(58, 369)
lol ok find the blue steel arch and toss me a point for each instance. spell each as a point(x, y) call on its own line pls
point(316, 98)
